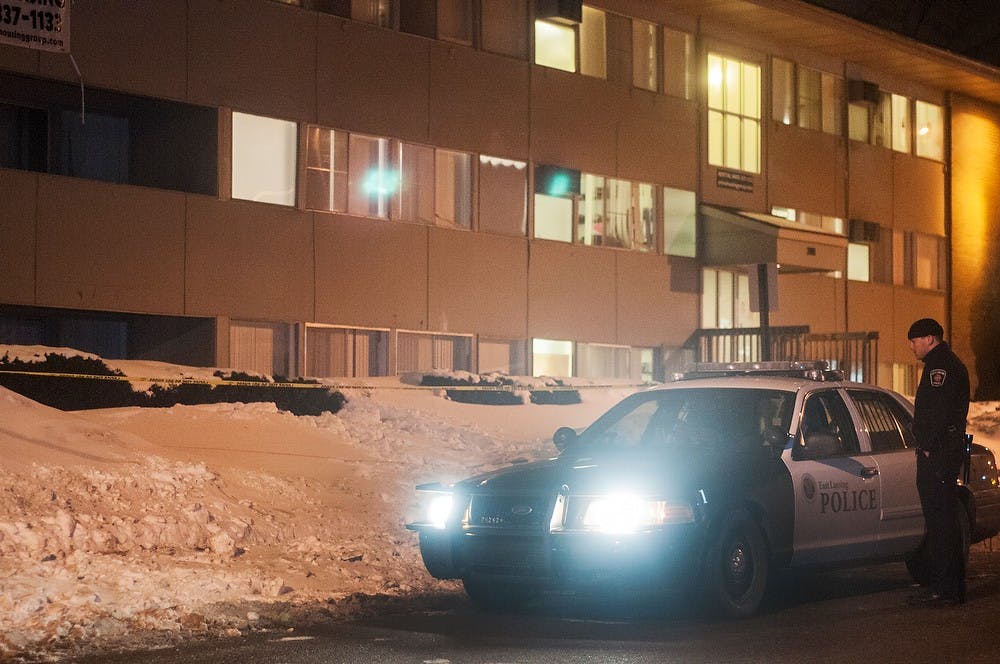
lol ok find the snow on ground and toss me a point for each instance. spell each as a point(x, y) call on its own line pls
point(125, 522)
point(120, 524)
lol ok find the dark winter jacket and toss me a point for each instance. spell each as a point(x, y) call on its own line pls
point(941, 409)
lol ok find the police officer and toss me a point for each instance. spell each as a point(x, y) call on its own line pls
point(940, 410)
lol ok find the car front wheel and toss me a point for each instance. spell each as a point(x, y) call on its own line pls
point(736, 567)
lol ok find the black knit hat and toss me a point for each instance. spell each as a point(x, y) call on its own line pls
point(925, 327)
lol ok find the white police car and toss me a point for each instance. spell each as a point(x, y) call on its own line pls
point(714, 480)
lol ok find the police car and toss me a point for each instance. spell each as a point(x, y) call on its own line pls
point(713, 482)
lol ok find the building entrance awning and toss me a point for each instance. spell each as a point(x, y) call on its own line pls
point(735, 237)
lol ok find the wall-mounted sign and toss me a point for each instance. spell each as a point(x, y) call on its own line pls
point(734, 180)
point(42, 25)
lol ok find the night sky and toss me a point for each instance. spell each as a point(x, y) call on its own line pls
point(966, 27)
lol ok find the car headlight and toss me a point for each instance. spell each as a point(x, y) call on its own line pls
point(629, 513)
point(438, 509)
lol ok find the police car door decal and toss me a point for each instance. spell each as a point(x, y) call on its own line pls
point(836, 486)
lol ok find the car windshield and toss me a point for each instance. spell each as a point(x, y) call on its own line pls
point(722, 418)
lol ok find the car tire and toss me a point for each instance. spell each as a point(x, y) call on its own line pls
point(493, 595)
point(736, 568)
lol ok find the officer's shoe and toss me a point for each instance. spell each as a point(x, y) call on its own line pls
point(934, 598)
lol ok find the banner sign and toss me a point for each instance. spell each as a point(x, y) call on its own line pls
point(42, 25)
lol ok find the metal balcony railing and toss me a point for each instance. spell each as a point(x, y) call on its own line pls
point(854, 353)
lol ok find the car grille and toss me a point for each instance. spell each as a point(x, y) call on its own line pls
point(509, 512)
point(507, 556)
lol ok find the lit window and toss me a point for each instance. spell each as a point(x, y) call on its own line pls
point(373, 176)
point(679, 222)
point(416, 351)
point(919, 260)
point(416, 187)
point(551, 357)
point(556, 44)
point(616, 213)
point(734, 114)
point(333, 352)
point(805, 97)
point(821, 221)
point(555, 190)
point(264, 159)
point(377, 12)
point(603, 361)
point(725, 300)
point(858, 262)
point(929, 141)
point(507, 356)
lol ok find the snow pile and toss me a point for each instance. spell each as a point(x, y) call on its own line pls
point(221, 517)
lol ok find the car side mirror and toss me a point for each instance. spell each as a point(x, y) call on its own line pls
point(564, 437)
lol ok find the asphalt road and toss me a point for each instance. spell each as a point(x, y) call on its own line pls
point(858, 615)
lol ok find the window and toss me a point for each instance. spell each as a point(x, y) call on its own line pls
point(890, 428)
point(929, 141)
point(453, 188)
point(503, 195)
point(551, 357)
point(725, 301)
point(333, 352)
point(264, 159)
point(556, 44)
point(507, 356)
point(805, 97)
point(901, 124)
point(455, 21)
point(609, 212)
point(679, 222)
point(373, 178)
point(602, 361)
point(326, 169)
point(858, 262)
point(377, 12)
point(263, 348)
point(645, 55)
point(825, 429)
point(820, 221)
point(418, 351)
point(919, 260)
point(416, 190)
point(733, 114)
point(678, 48)
point(616, 213)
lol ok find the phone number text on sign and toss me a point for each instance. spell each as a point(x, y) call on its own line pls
point(37, 24)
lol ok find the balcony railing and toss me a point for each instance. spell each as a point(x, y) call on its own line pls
point(854, 353)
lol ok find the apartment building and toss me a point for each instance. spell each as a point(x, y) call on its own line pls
point(369, 187)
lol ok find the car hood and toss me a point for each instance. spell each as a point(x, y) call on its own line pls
point(664, 473)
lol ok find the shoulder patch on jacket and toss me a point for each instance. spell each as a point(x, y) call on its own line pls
point(938, 377)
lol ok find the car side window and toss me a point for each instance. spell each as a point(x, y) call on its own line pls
point(890, 427)
point(825, 429)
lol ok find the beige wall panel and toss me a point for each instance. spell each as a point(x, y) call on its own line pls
point(810, 299)
point(477, 283)
point(650, 311)
point(975, 242)
point(478, 101)
point(870, 185)
point(249, 260)
point(574, 120)
point(105, 246)
point(17, 236)
point(384, 75)
point(239, 57)
point(918, 193)
point(138, 46)
point(659, 144)
point(804, 170)
point(370, 272)
point(571, 292)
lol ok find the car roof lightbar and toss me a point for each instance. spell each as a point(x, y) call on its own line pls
point(818, 370)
